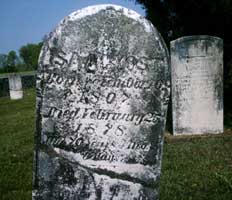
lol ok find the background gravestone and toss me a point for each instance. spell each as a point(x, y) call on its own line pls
point(15, 85)
point(28, 81)
point(197, 85)
point(102, 95)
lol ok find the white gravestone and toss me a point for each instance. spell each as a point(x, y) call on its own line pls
point(15, 86)
point(102, 95)
point(197, 85)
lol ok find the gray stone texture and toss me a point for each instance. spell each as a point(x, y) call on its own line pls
point(102, 94)
point(197, 85)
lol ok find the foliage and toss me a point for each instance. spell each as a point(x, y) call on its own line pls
point(30, 54)
point(28, 60)
point(180, 18)
point(175, 19)
point(11, 58)
point(3, 60)
point(194, 17)
point(11, 62)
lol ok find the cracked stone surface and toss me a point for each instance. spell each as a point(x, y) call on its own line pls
point(197, 85)
point(102, 93)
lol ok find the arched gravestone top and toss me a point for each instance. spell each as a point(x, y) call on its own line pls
point(197, 84)
point(196, 45)
point(102, 94)
point(197, 37)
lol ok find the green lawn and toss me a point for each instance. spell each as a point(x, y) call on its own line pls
point(16, 146)
point(193, 167)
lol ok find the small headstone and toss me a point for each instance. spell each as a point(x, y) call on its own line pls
point(197, 85)
point(15, 85)
point(102, 95)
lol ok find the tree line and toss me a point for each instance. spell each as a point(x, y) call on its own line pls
point(27, 60)
point(172, 18)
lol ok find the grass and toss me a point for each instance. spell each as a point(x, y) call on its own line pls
point(199, 168)
point(194, 168)
point(16, 147)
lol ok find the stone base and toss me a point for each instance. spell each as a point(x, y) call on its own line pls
point(14, 95)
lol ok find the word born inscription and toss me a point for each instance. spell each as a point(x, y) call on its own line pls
point(101, 112)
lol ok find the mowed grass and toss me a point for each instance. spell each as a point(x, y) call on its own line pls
point(197, 168)
point(193, 167)
point(17, 122)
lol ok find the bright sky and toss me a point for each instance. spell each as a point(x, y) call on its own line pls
point(27, 21)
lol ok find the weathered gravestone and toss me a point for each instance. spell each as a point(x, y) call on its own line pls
point(15, 86)
point(102, 94)
point(197, 85)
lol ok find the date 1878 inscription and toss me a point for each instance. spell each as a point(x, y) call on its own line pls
point(102, 94)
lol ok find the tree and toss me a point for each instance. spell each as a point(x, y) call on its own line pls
point(11, 61)
point(30, 54)
point(179, 18)
point(3, 60)
point(3, 63)
point(175, 19)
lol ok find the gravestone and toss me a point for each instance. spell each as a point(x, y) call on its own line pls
point(15, 86)
point(102, 94)
point(197, 85)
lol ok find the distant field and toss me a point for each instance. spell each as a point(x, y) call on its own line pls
point(21, 73)
point(194, 168)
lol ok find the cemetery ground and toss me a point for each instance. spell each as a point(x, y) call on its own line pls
point(195, 167)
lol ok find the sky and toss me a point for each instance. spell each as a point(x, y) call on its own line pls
point(28, 21)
